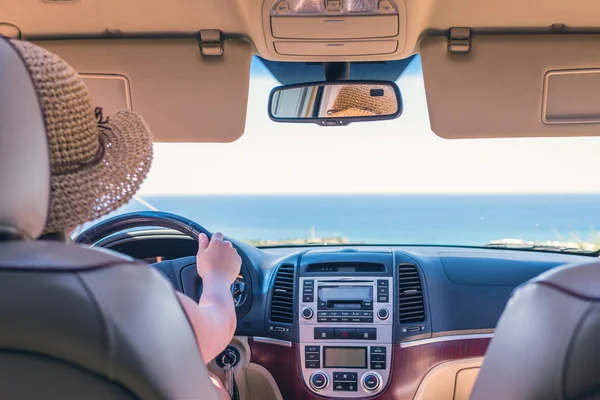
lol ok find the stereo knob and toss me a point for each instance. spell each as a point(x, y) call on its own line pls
point(371, 381)
point(319, 380)
point(383, 314)
point(307, 313)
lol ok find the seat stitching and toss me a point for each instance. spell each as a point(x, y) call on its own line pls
point(566, 291)
point(576, 330)
point(108, 329)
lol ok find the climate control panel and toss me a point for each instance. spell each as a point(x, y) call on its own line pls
point(346, 372)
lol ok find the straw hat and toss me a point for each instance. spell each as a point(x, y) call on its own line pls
point(356, 100)
point(97, 162)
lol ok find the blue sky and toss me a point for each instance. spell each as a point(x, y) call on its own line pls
point(395, 157)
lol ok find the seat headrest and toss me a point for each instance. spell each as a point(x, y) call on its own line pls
point(24, 158)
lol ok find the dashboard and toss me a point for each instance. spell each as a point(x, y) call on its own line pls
point(356, 321)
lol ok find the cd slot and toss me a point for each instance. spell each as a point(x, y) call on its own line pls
point(344, 305)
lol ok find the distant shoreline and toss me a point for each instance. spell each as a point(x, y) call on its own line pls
point(339, 240)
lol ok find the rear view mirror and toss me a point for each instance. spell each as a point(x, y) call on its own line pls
point(335, 103)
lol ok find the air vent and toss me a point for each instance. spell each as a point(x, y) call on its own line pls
point(282, 303)
point(410, 292)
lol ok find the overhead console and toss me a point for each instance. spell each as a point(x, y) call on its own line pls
point(334, 29)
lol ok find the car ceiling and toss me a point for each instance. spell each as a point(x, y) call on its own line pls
point(42, 18)
point(517, 78)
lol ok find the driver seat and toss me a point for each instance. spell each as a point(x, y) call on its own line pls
point(76, 323)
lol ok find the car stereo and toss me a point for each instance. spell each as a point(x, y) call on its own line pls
point(345, 334)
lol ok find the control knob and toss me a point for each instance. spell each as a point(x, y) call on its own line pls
point(383, 314)
point(319, 380)
point(307, 313)
point(371, 381)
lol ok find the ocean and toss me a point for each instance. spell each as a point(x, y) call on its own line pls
point(393, 219)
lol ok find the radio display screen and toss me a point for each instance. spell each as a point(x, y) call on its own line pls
point(346, 293)
point(345, 357)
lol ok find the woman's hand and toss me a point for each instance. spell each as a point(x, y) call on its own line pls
point(217, 260)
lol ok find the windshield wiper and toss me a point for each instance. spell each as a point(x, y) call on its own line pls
point(544, 247)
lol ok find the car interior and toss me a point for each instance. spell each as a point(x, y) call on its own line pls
point(403, 320)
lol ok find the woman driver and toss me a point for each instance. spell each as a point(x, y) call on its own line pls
point(97, 164)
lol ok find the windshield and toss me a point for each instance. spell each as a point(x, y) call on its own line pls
point(386, 182)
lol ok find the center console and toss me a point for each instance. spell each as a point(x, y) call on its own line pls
point(345, 327)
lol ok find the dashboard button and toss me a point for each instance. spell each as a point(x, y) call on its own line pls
point(356, 314)
point(345, 376)
point(356, 319)
point(322, 319)
point(380, 282)
point(316, 356)
point(307, 313)
point(309, 282)
point(311, 364)
point(367, 305)
point(308, 298)
point(322, 313)
point(323, 333)
point(318, 380)
point(344, 313)
point(377, 365)
point(334, 319)
point(366, 333)
point(382, 298)
point(344, 386)
point(312, 349)
point(345, 319)
point(378, 350)
point(322, 305)
point(380, 290)
point(371, 382)
point(378, 357)
point(383, 314)
point(344, 333)
point(334, 313)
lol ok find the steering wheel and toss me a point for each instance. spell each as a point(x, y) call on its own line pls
point(181, 272)
point(140, 219)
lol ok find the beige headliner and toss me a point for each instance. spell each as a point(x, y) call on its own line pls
point(244, 17)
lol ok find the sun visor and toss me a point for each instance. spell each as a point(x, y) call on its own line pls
point(184, 96)
point(513, 86)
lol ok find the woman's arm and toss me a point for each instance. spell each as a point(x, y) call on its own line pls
point(213, 318)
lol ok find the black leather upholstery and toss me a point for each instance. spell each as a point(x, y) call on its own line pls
point(76, 323)
point(547, 342)
point(24, 159)
point(95, 317)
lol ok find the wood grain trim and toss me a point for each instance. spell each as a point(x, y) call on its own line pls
point(409, 365)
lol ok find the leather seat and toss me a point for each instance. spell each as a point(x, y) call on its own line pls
point(76, 323)
point(547, 342)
